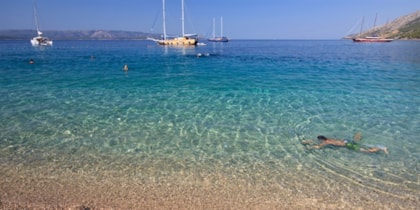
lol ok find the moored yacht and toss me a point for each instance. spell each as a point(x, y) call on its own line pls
point(39, 40)
point(184, 40)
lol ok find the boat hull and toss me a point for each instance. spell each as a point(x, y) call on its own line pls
point(179, 41)
point(219, 39)
point(372, 40)
point(41, 41)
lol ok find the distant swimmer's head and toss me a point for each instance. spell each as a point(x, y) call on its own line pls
point(322, 138)
point(31, 61)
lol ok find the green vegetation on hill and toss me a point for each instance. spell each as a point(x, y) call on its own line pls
point(411, 30)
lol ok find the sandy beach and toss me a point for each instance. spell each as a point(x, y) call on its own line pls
point(29, 188)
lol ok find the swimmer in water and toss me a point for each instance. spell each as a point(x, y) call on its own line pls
point(31, 61)
point(350, 144)
point(125, 68)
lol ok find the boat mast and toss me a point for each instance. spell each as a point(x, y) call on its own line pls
point(221, 26)
point(164, 20)
point(214, 27)
point(374, 23)
point(182, 17)
point(36, 20)
point(361, 27)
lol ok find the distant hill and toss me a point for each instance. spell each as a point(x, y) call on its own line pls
point(76, 35)
point(405, 27)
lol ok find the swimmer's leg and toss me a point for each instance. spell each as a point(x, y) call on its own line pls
point(383, 148)
point(374, 149)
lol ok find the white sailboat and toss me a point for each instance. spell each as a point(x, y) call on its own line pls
point(39, 40)
point(184, 40)
point(221, 38)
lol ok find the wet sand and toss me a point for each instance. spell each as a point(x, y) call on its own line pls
point(55, 187)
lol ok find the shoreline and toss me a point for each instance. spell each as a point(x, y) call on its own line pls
point(235, 189)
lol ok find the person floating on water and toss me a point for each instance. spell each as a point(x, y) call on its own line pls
point(31, 61)
point(125, 68)
point(350, 144)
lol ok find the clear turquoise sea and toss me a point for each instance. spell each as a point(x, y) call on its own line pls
point(243, 105)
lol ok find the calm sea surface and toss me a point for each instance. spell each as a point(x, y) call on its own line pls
point(243, 105)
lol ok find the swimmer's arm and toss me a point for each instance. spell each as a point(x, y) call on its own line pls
point(357, 137)
point(319, 146)
point(308, 141)
point(311, 142)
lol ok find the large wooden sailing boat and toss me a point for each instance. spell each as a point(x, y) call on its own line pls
point(184, 40)
point(371, 38)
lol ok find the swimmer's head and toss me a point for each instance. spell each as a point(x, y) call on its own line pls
point(322, 138)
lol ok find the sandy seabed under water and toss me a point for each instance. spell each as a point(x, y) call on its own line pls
point(62, 186)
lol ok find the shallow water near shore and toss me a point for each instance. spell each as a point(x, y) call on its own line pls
point(239, 111)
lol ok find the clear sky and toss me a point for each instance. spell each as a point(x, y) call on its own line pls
point(242, 19)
